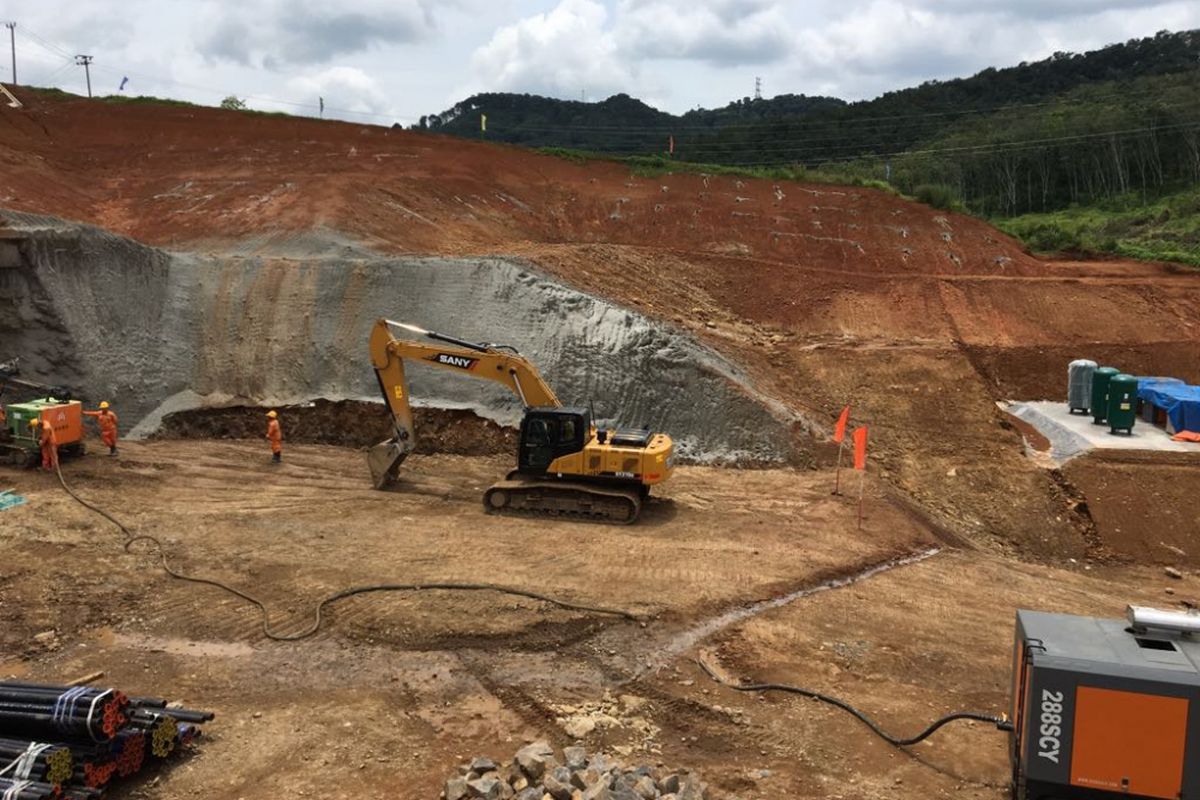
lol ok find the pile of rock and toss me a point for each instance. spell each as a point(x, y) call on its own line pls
point(536, 774)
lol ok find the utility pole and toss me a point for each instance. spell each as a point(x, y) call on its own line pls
point(758, 88)
point(84, 61)
point(12, 41)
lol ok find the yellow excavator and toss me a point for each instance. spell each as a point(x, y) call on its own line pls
point(566, 466)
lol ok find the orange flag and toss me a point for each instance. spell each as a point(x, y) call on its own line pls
point(860, 447)
point(839, 430)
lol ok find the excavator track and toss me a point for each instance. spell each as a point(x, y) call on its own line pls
point(530, 497)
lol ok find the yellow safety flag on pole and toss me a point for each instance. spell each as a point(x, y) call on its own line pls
point(483, 123)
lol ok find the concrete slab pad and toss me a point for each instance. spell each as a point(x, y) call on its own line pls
point(1073, 434)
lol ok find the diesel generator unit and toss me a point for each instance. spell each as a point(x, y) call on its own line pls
point(1106, 708)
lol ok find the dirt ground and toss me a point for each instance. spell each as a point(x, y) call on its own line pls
point(919, 320)
point(396, 689)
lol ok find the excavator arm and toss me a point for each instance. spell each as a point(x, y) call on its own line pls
point(490, 362)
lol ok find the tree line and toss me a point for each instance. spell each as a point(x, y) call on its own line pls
point(1037, 136)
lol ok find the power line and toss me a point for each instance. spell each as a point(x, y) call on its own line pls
point(50, 46)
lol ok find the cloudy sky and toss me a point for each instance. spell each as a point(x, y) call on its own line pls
point(394, 60)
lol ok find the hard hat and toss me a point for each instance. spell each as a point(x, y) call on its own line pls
point(33, 423)
point(103, 404)
point(272, 414)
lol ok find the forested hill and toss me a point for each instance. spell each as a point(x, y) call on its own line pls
point(622, 124)
point(546, 122)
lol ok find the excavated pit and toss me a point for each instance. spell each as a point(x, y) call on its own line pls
point(161, 333)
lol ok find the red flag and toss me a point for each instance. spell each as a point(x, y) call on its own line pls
point(671, 145)
point(860, 447)
point(839, 430)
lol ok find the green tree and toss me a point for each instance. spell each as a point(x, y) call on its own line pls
point(233, 103)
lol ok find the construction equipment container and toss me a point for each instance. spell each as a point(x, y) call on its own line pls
point(1122, 403)
point(1099, 398)
point(1104, 708)
point(19, 444)
point(1079, 385)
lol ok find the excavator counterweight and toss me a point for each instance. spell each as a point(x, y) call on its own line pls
point(566, 466)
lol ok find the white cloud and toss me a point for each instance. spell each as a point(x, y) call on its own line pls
point(561, 52)
point(273, 33)
point(720, 32)
point(424, 55)
point(349, 92)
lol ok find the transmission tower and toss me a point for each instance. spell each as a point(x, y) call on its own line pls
point(758, 88)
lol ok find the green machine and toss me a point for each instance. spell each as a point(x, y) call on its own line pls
point(1100, 380)
point(18, 445)
point(1122, 403)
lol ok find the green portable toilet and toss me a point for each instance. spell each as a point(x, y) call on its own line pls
point(1100, 379)
point(1122, 403)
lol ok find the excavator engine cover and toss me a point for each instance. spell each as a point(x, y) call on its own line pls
point(1105, 708)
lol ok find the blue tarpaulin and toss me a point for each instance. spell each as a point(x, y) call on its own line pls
point(1180, 401)
point(8, 500)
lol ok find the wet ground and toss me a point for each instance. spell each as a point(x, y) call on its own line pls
point(395, 689)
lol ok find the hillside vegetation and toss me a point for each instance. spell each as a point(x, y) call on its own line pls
point(1086, 142)
point(1166, 229)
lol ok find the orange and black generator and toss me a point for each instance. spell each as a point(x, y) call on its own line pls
point(1106, 708)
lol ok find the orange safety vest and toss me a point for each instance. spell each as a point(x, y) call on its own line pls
point(275, 434)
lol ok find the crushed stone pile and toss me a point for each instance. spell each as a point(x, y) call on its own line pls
point(536, 773)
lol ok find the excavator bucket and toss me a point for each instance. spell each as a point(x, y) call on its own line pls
point(385, 459)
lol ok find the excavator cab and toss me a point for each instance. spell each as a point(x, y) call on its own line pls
point(550, 433)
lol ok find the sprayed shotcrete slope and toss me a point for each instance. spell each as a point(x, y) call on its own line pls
point(163, 332)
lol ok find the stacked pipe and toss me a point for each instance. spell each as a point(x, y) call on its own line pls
point(68, 743)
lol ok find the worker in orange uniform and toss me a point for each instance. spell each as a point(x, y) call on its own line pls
point(275, 435)
point(49, 442)
point(108, 426)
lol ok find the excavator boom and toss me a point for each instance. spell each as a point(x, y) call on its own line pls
point(497, 363)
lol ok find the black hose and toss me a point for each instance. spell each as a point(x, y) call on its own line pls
point(131, 539)
point(1001, 722)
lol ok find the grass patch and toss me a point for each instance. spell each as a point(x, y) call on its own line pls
point(655, 166)
point(1165, 229)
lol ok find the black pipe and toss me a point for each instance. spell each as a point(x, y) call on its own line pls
point(441, 337)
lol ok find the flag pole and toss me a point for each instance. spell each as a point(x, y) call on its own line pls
point(837, 480)
point(862, 479)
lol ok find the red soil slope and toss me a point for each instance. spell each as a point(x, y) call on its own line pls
point(163, 173)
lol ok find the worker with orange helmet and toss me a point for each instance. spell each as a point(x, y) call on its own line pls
point(275, 435)
point(49, 442)
point(108, 426)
